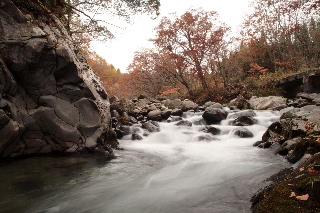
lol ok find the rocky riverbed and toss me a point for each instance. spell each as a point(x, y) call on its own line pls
point(295, 136)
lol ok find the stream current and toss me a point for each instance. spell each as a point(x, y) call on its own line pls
point(173, 170)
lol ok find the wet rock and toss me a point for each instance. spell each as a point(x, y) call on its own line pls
point(184, 123)
point(166, 114)
point(174, 119)
point(243, 133)
point(122, 131)
point(150, 127)
point(214, 115)
point(177, 112)
point(206, 138)
point(136, 136)
point(212, 130)
point(244, 121)
point(288, 145)
point(199, 122)
point(248, 113)
point(257, 143)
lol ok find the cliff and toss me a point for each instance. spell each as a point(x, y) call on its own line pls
point(50, 99)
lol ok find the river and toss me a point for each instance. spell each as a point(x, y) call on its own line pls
point(168, 171)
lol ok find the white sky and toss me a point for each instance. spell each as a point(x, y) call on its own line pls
point(133, 37)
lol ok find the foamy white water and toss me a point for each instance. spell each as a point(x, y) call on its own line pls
point(172, 171)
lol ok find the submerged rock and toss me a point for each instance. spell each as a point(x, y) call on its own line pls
point(184, 123)
point(212, 130)
point(243, 133)
point(244, 121)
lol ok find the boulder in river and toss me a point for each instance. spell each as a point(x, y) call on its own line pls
point(243, 133)
point(184, 123)
point(151, 127)
point(214, 115)
point(212, 130)
point(136, 136)
point(244, 121)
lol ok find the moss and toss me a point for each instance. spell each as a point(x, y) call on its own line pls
point(304, 180)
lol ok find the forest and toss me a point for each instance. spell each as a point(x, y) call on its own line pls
point(195, 55)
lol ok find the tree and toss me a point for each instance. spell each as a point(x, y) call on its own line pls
point(285, 28)
point(88, 18)
point(190, 43)
point(150, 73)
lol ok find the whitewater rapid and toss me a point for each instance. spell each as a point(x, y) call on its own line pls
point(173, 171)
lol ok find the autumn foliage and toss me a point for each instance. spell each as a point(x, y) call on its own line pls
point(194, 55)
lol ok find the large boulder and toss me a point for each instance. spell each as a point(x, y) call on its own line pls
point(50, 99)
point(214, 115)
point(189, 105)
point(267, 103)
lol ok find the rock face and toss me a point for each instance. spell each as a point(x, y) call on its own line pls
point(50, 99)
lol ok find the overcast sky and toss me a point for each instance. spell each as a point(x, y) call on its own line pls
point(133, 37)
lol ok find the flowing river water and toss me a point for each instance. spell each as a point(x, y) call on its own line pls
point(169, 171)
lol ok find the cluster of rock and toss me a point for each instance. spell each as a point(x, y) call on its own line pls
point(50, 100)
point(149, 111)
point(297, 137)
point(297, 134)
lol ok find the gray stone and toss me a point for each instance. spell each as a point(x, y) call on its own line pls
point(189, 105)
point(265, 103)
point(214, 115)
point(248, 113)
point(155, 115)
point(150, 127)
point(243, 133)
point(52, 125)
point(212, 130)
point(184, 123)
point(244, 121)
point(136, 136)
